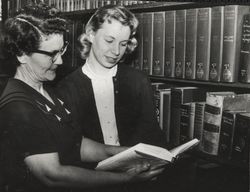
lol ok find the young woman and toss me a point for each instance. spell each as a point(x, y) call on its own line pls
point(112, 101)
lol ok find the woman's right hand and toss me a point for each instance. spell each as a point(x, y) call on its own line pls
point(143, 172)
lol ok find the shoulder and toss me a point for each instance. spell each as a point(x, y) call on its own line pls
point(74, 78)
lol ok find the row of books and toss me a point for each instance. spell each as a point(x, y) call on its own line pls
point(220, 120)
point(197, 43)
point(73, 5)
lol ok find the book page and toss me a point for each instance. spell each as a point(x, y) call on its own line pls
point(184, 147)
point(138, 154)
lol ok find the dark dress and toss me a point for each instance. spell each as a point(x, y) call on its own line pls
point(134, 106)
point(33, 125)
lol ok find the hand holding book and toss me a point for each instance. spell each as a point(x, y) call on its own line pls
point(143, 153)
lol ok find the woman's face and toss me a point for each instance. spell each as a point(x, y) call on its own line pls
point(42, 67)
point(109, 43)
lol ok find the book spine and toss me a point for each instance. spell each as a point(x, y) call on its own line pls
point(240, 150)
point(176, 101)
point(233, 18)
point(203, 43)
point(147, 42)
point(158, 43)
point(244, 74)
point(169, 44)
point(226, 134)
point(186, 122)
point(191, 37)
point(139, 49)
point(212, 122)
point(180, 43)
point(216, 43)
point(199, 120)
point(166, 114)
point(157, 104)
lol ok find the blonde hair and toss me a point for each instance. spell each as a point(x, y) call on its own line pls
point(103, 14)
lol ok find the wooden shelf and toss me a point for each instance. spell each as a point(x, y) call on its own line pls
point(201, 83)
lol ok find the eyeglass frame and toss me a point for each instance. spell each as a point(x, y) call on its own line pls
point(54, 55)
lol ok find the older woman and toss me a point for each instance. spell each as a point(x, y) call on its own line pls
point(112, 101)
point(43, 148)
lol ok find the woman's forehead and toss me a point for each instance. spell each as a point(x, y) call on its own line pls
point(115, 28)
point(52, 42)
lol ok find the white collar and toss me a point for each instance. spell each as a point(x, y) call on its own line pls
point(86, 69)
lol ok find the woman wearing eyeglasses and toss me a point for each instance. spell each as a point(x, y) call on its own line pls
point(42, 148)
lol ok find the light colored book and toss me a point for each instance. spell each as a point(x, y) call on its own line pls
point(144, 153)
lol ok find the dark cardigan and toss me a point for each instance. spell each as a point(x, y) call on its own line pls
point(134, 106)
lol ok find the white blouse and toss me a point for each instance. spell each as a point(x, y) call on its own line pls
point(103, 88)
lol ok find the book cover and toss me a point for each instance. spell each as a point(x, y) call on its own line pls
point(139, 49)
point(181, 95)
point(169, 67)
point(240, 149)
point(227, 133)
point(180, 43)
point(203, 43)
point(147, 42)
point(158, 43)
point(233, 18)
point(187, 111)
point(244, 74)
point(191, 37)
point(216, 48)
point(216, 103)
point(156, 156)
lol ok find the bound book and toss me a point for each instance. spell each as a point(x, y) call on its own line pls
point(180, 43)
point(169, 43)
point(217, 16)
point(191, 37)
point(156, 156)
point(244, 75)
point(233, 19)
point(203, 43)
point(158, 44)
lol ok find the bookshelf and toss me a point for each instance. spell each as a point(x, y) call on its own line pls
point(78, 18)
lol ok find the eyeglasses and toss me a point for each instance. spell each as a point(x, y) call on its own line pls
point(55, 54)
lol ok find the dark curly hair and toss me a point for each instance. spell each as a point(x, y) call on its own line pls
point(23, 32)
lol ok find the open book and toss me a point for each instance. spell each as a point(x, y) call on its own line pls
point(154, 155)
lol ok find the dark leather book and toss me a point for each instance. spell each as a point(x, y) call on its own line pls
point(158, 43)
point(180, 43)
point(240, 150)
point(244, 73)
point(191, 37)
point(203, 43)
point(227, 133)
point(179, 96)
point(216, 48)
point(169, 67)
point(187, 112)
point(233, 19)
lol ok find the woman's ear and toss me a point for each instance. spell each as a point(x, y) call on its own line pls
point(22, 59)
point(91, 34)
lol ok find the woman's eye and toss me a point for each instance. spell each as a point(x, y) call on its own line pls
point(109, 41)
point(124, 44)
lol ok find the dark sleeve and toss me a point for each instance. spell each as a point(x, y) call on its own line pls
point(28, 129)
